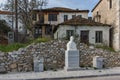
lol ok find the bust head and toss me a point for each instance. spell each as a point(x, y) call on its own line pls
point(71, 38)
point(71, 44)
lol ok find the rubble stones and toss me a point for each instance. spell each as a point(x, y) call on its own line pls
point(2, 69)
point(53, 53)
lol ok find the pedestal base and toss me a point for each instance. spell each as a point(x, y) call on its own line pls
point(72, 69)
point(72, 60)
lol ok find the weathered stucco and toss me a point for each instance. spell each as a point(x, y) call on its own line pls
point(61, 32)
point(60, 17)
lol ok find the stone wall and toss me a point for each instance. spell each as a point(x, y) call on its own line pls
point(54, 56)
point(110, 16)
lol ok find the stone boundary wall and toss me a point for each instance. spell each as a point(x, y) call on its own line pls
point(54, 56)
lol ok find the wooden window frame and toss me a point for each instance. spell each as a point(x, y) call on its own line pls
point(98, 36)
point(34, 17)
point(65, 17)
point(52, 17)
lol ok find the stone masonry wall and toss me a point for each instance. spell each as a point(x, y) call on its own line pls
point(110, 16)
point(54, 56)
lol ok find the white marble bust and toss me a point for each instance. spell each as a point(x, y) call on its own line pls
point(71, 44)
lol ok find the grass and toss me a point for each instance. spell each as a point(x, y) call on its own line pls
point(39, 40)
point(16, 46)
point(11, 47)
point(105, 48)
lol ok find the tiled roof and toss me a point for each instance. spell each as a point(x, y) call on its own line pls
point(96, 5)
point(82, 22)
point(79, 21)
point(62, 9)
point(5, 12)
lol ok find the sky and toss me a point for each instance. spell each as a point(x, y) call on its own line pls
point(74, 4)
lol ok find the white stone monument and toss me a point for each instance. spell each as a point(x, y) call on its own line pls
point(71, 56)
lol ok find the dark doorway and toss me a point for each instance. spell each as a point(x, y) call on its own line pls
point(37, 32)
point(111, 37)
point(84, 37)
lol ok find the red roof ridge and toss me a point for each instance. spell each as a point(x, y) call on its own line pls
point(62, 9)
point(82, 21)
point(5, 12)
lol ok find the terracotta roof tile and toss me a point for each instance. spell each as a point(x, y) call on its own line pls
point(62, 9)
point(5, 12)
point(82, 22)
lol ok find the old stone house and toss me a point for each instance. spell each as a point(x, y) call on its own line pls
point(87, 31)
point(108, 12)
point(46, 20)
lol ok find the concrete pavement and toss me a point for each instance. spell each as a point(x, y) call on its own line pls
point(61, 74)
point(97, 78)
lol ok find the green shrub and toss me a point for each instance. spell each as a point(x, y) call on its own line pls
point(11, 47)
point(16, 46)
point(105, 47)
point(39, 40)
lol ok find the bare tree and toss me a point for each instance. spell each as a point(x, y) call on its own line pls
point(24, 10)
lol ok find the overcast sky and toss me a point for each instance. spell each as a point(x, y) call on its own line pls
point(75, 4)
point(80, 4)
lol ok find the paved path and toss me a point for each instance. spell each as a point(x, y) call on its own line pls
point(97, 78)
point(61, 74)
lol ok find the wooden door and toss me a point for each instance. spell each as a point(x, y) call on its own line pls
point(84, 37)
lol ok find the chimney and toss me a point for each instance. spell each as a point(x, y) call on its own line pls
point(77, 9)
point(90, 18)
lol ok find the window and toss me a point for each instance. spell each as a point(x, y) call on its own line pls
point(41, 18)
point(99, 37)
point(80, 16)
point(73, 16)
point(69, 33)
point(48, 30)
point(38, 31)
point(65, 17)
point(34, 17)
point(110, 4)
point(52, 17)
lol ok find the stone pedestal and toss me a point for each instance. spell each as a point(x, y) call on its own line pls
point(38, 65)
point(98, 62)
point(72, 60)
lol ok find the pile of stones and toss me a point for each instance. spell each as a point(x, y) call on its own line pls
point(53, 53)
